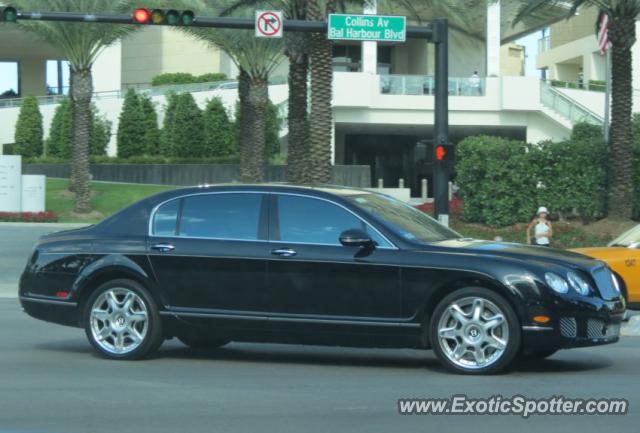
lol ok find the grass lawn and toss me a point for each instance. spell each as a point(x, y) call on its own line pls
point(107, 198)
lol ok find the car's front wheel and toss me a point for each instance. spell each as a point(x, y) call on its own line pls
point(474, 331)
point(121, 320)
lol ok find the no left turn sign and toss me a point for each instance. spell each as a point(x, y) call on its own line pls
point(269, 24)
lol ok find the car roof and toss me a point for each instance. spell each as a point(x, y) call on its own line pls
point(273, 187)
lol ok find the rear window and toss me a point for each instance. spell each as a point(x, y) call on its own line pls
point(221, 216)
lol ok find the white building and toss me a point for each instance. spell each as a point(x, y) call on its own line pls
point(571, 60)
point(383, 103)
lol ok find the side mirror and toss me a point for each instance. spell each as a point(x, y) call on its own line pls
point(356, 238)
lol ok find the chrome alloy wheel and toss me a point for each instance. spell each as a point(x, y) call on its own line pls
point(119, 321)
point(473, 332)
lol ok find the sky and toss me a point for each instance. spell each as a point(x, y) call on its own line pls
point(530, 43)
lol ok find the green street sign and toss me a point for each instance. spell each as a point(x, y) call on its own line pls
point(367, 28)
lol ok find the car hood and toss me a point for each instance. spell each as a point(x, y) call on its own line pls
point(520, 251)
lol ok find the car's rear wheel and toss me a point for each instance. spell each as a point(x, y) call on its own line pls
point(199, 340)
point(474, 331)
point(121, 320)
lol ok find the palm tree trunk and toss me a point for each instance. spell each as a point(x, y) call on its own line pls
point(622, 33)
point(298, 141)
point(321, 126)
point(254, 96)
point(81, 92)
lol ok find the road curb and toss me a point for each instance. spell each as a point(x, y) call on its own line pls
point(8, 291)
point(632, 327)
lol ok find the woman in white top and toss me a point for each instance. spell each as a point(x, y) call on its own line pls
point(542, 230)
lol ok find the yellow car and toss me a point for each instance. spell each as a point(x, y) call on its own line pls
point(623, 256)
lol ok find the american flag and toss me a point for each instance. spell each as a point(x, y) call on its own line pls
point(603, 33)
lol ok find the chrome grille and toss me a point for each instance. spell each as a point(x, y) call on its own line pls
point(568, 327)
point(602, 276)
point(597, 329)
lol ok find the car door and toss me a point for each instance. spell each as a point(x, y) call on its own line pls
point(208, 251)
point(311, 274)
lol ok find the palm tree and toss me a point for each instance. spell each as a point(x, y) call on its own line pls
point(297, 51)
point(80, 43)
point(321, 126)
point(622, 35)
point(256, 58)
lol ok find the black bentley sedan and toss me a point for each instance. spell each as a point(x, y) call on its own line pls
point(314, 265)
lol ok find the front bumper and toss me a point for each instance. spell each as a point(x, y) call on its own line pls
point(595, 325)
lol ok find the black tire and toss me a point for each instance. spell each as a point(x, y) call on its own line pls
point(152, 337)
point(537, 354)
point(198, 340)
point(501, 360)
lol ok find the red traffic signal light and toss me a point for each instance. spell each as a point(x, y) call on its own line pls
point(440, 152)
point(142, 16)
point(169, 17)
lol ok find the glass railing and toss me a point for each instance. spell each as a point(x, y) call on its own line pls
point(565, 106)
point(425, 85)
point(145, 89)
point(544, 44)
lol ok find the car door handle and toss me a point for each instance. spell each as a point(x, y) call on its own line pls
point(164, 248)
point(284, 252)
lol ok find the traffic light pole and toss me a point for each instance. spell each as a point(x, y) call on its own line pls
point(441, 121)
point(435, 32)
point(425, 32)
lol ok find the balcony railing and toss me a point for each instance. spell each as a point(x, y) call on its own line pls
point(566, 107)
point(425, 85)
point(544, 44)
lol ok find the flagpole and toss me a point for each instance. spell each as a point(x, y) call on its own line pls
point(607, 97)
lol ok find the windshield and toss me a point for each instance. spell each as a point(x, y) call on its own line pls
point(404, 219)
point(627, 238)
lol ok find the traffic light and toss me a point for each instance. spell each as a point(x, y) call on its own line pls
point(169, 17)
point(8, 14)
point(443, 153)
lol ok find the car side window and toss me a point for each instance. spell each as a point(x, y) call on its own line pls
point(314, 221)
point(165, 219)
point(221, 216)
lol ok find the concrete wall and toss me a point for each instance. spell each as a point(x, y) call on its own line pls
point(156, 50)
point(193, 174)
point(512, 59)
point(577, 27)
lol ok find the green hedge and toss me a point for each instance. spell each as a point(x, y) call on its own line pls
point(28, 132)
point(185, 78)
point(503, 181)
point(61, 132)
point(496, 180)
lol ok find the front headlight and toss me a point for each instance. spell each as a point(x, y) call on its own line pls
point(556, 282)
point(578, 283)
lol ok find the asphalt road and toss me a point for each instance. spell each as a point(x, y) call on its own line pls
point(52, 382)
point(16, 242)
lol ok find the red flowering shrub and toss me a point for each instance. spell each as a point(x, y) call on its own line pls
point(455, 207)
point(29, 217)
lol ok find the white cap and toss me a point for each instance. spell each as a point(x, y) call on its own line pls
point(542, 209)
